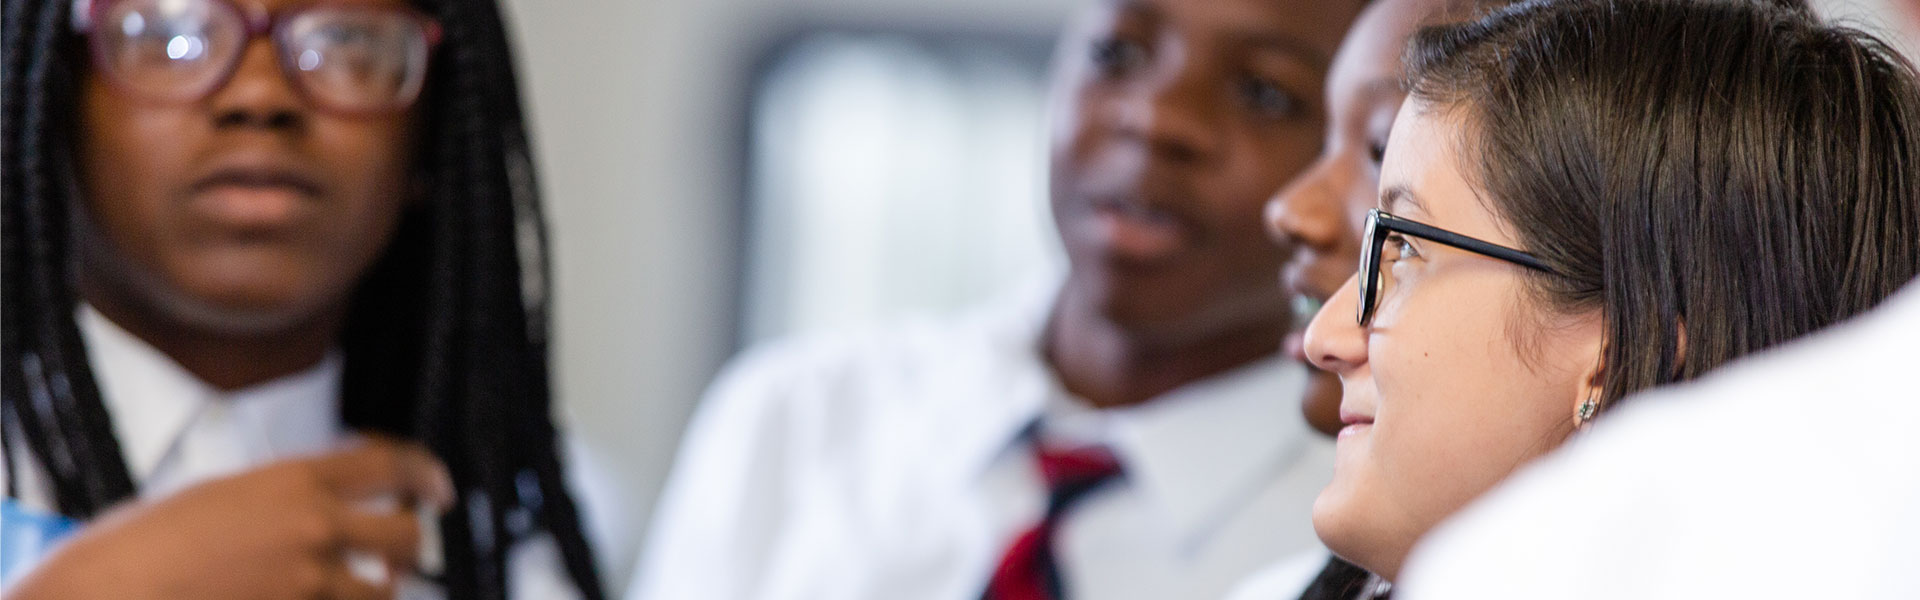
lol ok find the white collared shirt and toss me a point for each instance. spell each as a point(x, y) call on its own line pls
point(894, 465)
point(1793, 474)
point(176, 431)
point(1284, 580)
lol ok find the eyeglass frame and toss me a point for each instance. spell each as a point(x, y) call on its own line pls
point(1373, 242)
point(260, 24)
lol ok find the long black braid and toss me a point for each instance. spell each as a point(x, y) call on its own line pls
point(446, 338)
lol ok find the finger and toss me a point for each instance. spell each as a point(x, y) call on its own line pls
point(394, 536)
point(380, 467)
point(343, 584)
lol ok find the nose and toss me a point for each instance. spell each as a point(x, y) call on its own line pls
point(258, 95)
point(1177, 114)
point(1335, 342)
point(1308, 212)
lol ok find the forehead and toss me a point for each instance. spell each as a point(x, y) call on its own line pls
point(1424, 159)
point(1372, 50)
point(1368, 66)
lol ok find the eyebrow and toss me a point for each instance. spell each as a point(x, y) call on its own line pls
point(1399, 194)
point(1287, 44)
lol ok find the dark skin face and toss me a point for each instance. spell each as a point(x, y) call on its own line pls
point(1175, 120)
point(229, 232)
point(1320, 214)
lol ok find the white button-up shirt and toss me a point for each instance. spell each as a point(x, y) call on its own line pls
point(1284, 580)
point(176, 431)
point(896, 464)
point(1794, 474)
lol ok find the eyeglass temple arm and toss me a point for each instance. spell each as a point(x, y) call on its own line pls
point(1462, 242)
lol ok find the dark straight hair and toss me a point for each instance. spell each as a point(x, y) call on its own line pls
point(1714, 176)
point(446, 337)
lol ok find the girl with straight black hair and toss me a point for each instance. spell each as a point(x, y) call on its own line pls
point(274, 272)
point(1584, 199)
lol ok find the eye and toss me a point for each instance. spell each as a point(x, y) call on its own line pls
point(1377, 152)
point(1398, 248)
point(1116, 56)
point(1268, 98)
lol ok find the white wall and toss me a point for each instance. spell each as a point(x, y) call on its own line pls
point(636, 123)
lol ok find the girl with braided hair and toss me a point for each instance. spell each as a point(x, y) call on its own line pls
point(274, 273)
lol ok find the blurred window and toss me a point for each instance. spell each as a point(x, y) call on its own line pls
point(892, 173)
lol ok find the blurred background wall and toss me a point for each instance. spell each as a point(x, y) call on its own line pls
point(722, 171)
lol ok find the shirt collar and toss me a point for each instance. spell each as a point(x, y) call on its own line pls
point(1014, 380)
point(1202, 450)
point(153, 401)
point(1197, 452)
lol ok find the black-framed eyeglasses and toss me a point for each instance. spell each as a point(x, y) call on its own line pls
point(1379, 223)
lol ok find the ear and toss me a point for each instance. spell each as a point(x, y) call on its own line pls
point(1680, 348)
point(1592, 380)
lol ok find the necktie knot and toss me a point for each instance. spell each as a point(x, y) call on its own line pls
point(1028, 571)
point(1071, 472)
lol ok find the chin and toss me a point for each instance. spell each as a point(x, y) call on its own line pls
point(1343, 523)
point(1358, 535)
point(1328, 523)
point(1125, 301)
point(1126, 309)
point(247, 306)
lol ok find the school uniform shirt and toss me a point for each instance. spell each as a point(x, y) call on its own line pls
point(1794, 474)
point(176, 431)
point(1283, 580)
point(899, 463)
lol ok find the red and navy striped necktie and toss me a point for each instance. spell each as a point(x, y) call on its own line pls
point(1028, 571)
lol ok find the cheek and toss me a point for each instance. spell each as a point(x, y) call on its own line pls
point(364, 154)
point(1459, 407)
point(372, 163)
point(1076, 116)
point(132, 162)
point(1265, 157)
point(1257, 167)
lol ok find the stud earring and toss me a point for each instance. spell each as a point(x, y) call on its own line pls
point(1585, 413)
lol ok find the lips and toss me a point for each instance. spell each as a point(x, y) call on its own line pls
point(254, 194)
point(1138, 230)
point(1355, 422)
point(1353, 418)
point(258, 178)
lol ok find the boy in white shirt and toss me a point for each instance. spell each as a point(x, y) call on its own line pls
point(1129, 432)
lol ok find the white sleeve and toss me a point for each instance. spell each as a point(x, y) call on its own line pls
point(723, 505)
point(536, 570)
